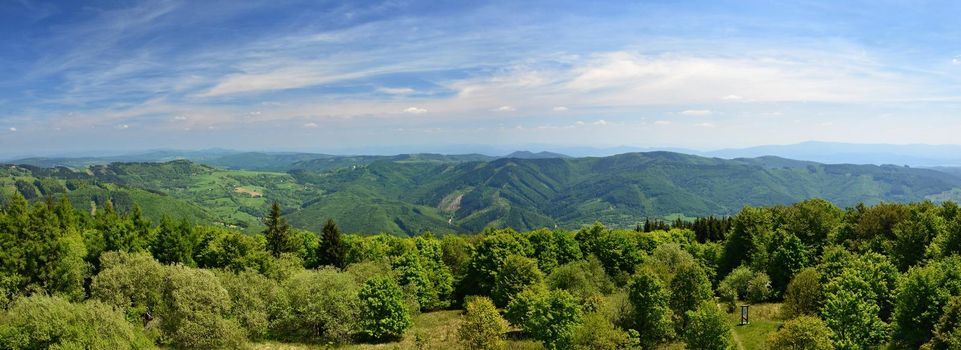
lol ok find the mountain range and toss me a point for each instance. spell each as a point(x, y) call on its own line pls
point(406, 194)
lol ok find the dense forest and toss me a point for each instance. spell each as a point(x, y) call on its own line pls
point(817, 277)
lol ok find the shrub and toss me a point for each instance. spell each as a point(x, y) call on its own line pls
point(42, 322)
point(651, 316)
point(803, 295)
point(131, 282)
point(252, 296)
point(738, 280)
point(728, 296)
point(483, 328)
point(802, 333)
point(383, 314)
point(759, 288)
point(194, 311)
point(598, 333)
point(708, 328)
point(517, 274)
point(320, 305)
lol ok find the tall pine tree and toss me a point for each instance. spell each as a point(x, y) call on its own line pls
point(331, 250)
point(277, 233)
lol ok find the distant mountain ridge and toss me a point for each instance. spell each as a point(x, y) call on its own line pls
point(406, 194)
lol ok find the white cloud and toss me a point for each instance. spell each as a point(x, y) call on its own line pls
point(13, 129)
point(180, 118)
point(578, 123)
point(560, 109)
point(662, 122)
point(310, 125)
point(415, 110)
point(396, 91)
point(697, 112)
point(600, 122)
point(956, 60)
point(123, 126)
point(705, 125)
point(826, 124)
point(504, 109)
point(732, 98)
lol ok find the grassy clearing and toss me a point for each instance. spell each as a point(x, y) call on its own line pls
point(765, 319)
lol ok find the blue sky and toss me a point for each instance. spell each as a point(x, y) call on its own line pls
point(356, 75)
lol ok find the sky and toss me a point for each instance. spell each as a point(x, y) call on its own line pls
point(354, 76)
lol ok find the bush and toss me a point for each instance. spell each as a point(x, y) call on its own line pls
point(738, 280)
point(252, 297)
point(802, 333)
point(708, 328)
point(194, 311)
point(651, 316)
point(803, 295)
point(483, 328)
point(383, 314)
point(598, 333)
point(548, 316)
point(320, 305)
point(42, 322)
point(759, 288)
point(131, 282)
point(517, 274)
point(728, 296)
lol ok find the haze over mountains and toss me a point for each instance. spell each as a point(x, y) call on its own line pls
point(409, 193)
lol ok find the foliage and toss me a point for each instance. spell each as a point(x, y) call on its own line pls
point(42, 322)
point(583, 279)
point(598, 333)
point(689, 288)
point(803, 295)
point(759, 288)
point(553, 248)
point(174, 243)
point(651, 315)
point(922, 295)
point(708, 328)
point(551, 317)
point(802, 333)
point(383, 315)
point(195, 310)
point(320, 305)
point(331, 251)
point(130, 282)
point(253, 298)
point(489, 256)
point(278, 233)
point(483, 328)
point(851, 312)
point(515, 275)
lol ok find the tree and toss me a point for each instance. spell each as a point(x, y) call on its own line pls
point(651, 315)
point(750, 236)
point(788, 256)
point(598, 333)
point(708, 328)
point(383, 314)
point(517, 274)
point(913, 236)
point(921, 298)
point(851, 312)
point(554, 319)
point(489, 255)
point(45, 322)
point(279, 238)
point(689, 289)
point(319, 305)
point(174, 242)
point(195, 309)
point(483, 328)
point(802, 333)
point(253, 297)
point(759, 288)
point(133, 283)
point(553, 248)
point(331, 251)
point(803, 295)
point(947, 334)
point(583, 278)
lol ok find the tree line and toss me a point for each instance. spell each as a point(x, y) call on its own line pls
point(862, 277)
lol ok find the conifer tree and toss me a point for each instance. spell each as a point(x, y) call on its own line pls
point(332, 250)
point(277, 232)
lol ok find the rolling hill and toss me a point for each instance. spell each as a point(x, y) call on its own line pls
point(465, 193)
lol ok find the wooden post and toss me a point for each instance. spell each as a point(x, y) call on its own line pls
point(745, 313)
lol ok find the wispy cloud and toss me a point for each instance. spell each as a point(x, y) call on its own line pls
point(415, 110)
point(697, 112)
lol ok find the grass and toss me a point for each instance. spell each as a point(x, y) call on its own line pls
point(765, 319)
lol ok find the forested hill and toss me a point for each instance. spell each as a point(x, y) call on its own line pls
point(411, 193)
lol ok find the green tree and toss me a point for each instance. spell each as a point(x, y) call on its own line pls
point(483, 328)
point(554, 319)
point(515, 275)
point(788, 256)
point(922, 295)
point(331, 251)
point(803, 295)
point(195, 309)
point(689, 289)
point(802, 333)
point(253, 297)
point(43, 322)
point(651, 316)
point(489, 255)
point(383, 315)
point(708, 328)
point(553, 248)
point(279, 238)
point(913, 236)
point(598, 333)
point(318, 305)
point(748, 241)
point(947, 334)
point(174, 242)
point(132, 283)
point(851, 312)
point(759, 288)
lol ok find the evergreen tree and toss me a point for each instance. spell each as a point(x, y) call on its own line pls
point(331, 250)
point(277, 233)
point(174, 243)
